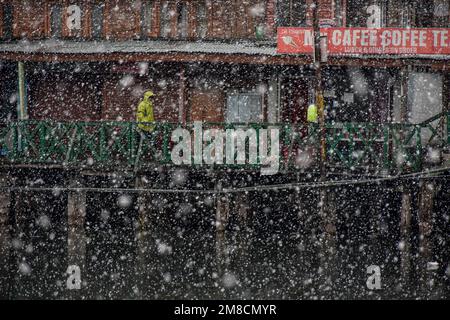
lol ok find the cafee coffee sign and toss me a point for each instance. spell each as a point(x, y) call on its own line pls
point(344, 41)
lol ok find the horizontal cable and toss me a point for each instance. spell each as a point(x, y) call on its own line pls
point(300, 185)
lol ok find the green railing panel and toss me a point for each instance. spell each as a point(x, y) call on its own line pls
point(107, 143)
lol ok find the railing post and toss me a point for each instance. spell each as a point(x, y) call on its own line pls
point(166, 142)
point(448, 128)
point(419, 151)
point(386, 131)
point(102, 143)
point(42, 140)
point(131, 142)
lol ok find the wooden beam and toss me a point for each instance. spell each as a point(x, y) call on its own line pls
point(158, 57)
point(76, 236)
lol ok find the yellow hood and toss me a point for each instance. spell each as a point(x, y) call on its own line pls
point(148, 94)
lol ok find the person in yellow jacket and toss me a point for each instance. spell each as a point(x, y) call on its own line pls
point(145, 112)
point(312, 115)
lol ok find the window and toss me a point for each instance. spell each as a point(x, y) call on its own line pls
point(182, 19)
point(244, 107)
point(417, 13)
point(165, 20)
point(258, 12)
point(361, 13)
point(431, 13)
point(55, 20)
point(292, 13)
point(97, 21)
point(441, 13)
point(424, 14)
point(146, 19)
point(7, 21)
point(202, 20)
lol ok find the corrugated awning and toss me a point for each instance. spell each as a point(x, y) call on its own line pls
point(189, 51)
point(105, 47)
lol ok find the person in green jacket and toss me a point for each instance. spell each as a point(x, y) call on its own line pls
point(145, 112)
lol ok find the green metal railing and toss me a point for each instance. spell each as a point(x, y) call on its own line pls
point(120, 144)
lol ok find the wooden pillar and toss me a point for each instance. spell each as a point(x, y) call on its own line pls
point(244, 235)
point(327, 212)
point(5, 240)
point(405, 235)
point(144, 268)
point(222, 216)
point(426, 198)
point(76, 235)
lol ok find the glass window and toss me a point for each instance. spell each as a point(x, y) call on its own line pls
point(56, 20)
point(292, 13)
point(182, 19)
point(441, 13)
point(202, 20)
point(146, 18)
point(244, 107)
point(362, 13)
point(97, 21)
point(165, 20)
point(7, 22)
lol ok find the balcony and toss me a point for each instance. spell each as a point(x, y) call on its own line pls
point(355, 147)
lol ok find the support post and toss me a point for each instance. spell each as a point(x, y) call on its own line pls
point(76, 237)
point(426, 198)
point(326, 200)
point(22, 108)
point(244, 236)
point(222, 216)
point(5, 239)
point(328, 253)
point(144, 268)
point(405, 235)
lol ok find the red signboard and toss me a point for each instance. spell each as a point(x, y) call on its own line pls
point(343, 41)
point(295, 40)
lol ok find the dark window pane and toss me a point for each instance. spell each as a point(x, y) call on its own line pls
point(202, 22)
point(7, 21)
point(146, 18)
point(182, 16)
point(165, 19)
point(97, 21)
point(56, 20)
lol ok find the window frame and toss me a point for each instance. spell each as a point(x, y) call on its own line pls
point(242, 95)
